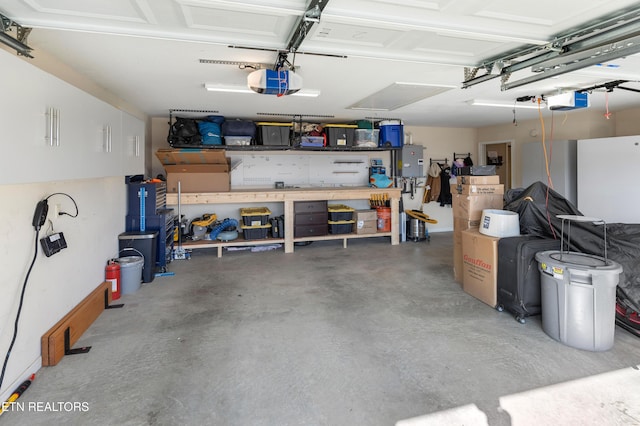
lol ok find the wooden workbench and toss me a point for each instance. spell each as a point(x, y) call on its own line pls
point(288, 197)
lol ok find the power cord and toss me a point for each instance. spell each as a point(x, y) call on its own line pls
point(72, 200)
point(15, 325)
point(39, 218)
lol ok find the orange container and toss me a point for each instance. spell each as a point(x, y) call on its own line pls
point(384, 219)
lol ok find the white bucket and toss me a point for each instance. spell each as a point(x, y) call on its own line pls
point(500, 223)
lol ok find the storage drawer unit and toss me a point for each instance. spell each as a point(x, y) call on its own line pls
point(310, 207)
point(311, 218)
point(301, 231)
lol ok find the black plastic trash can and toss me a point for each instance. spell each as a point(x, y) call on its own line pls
point(143, 244)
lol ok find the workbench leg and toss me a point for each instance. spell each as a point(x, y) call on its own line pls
point(344, 243)
point(288, 226)
point(219, 251)
point(395, 229)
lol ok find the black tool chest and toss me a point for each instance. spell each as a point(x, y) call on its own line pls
point(310, 218)
point(155, 215)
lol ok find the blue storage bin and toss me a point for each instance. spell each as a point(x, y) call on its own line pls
point(391, 134)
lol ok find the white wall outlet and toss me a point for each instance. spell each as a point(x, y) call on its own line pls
point(57, 210)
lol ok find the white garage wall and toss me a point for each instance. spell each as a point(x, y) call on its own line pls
point(57, 283)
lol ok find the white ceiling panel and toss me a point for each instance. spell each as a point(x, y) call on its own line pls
point(118, 10)
point(273, 26)
point(147, 51)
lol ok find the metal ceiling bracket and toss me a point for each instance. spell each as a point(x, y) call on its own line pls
point(19, 42)
point(310, 17)
point(607, 38)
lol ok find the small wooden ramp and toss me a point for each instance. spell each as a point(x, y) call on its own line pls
point(57, 342)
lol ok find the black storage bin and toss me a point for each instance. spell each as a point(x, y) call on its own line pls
point(339, 212)
point(341, 226)
point(274, 134)
point(340, 136)
point(257, 232)
point(143, 244)
point(252, 216)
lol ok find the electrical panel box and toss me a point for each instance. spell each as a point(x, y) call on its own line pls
point(411, 161)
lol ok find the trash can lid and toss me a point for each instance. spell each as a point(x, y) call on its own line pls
point(579, 259)
point(129, 260)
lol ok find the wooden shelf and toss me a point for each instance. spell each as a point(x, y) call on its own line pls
point(241, 242)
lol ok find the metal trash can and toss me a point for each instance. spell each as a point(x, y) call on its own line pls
point(130, 273)
point(578, 293)
point(142, 244)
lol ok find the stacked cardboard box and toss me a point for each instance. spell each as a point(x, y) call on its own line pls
point(480, 266)
point(471, 195)
point(366, 222)
point(197, 170)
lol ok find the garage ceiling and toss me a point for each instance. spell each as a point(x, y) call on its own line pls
point(386, 58)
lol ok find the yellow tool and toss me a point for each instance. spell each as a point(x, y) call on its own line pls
point(16, 394)
point(416, 214)
point(207, 220)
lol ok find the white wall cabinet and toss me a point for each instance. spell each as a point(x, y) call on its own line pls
point(53, 131)
point(608, 178)
point(132, 145)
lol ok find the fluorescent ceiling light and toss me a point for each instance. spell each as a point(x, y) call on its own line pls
point(226, 88)
point(245, 89)
point(477, 102)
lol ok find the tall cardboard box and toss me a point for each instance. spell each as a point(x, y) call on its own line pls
point(478, 180)
point(480, 266)
point(460, 225)
point(197, 170)
point(470, 206)
point(458, 188)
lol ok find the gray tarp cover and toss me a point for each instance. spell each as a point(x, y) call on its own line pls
point(538, 210)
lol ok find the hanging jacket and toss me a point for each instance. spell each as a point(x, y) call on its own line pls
point(432, 191)
point(445, 190)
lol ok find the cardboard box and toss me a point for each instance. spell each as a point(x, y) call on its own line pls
point(470, 207)
point(365, 226)
point(478, 180)
point(467, 189)
point(480, 266)
point(197, 170)
point(366, 215)
point(457, 257)
point(460, 225)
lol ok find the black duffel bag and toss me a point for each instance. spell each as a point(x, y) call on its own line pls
point(239, 127)
point(184, 131)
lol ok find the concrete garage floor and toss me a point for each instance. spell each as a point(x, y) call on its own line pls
point(367, 335)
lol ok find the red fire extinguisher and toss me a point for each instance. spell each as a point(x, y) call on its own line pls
point(112, 274)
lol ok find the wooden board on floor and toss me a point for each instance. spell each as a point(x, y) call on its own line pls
point(77, 321)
